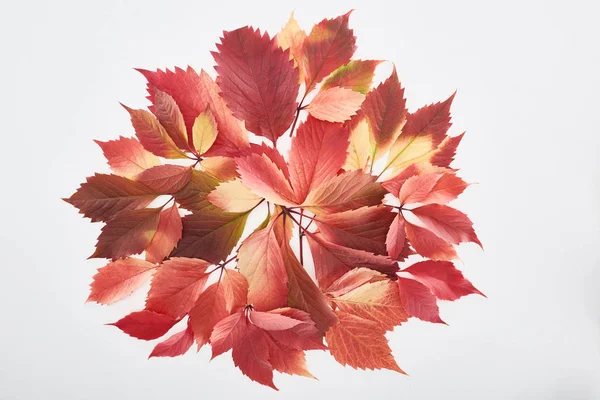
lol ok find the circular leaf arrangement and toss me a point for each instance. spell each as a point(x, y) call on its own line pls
point(363, 188)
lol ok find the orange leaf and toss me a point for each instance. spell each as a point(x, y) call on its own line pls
point(119, 279)
point(336, 104)
point(176, 345)
point(127, 157)
point(167, 235)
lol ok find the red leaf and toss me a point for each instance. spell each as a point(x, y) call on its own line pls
point(396, 238)
point(443, 279)
point(176, 345)
point(176, 286)
point(145, 325)
point(170, 117)
point(166, 179)
point(360, 343)
point(362, 229)
point(317, 154)
point(129, 233)
point(265, 179)
point(223, 168)
point(119, 279)
point(329, 45)
point(287, 361)
point(385, 110)
point(428, 244)
point(167, 235)
point(235, 290)
point(376, 301)
point(336, 104)
point(210, 234)
point(193, 195)
point(127, 157)
point(258, 81)
point(303, 336)
point(347, 191)
point(261, 262)
point(225, 333)
point(446, 151)
point(304, 293)
point(152, 135)
point(356, 75)
point(417, 188)
point(251, 355)
point(353, 279)
point(332, 260)
point(193, 92)
point(102, 197)
point(210, 308)
point(272, 321)
point(449, 224)
point(418, 301)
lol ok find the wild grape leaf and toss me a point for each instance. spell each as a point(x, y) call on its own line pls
point(210, 308)
point(443, 279)
point(363, 229)
point(335, 104)
point(129, 233)
point(357, 75)
point(204, 132)
point(127, 157)
point(347, 191)
point(385, 110)
point(292, 37)
point(448, 223)
point(304, 293)
point(354, 278)
point(102, 196)
point(360, 343)
point(152, 135)
point(333, 261)
point(428, 244)
point(329, 45)
point(235, 290)
point(176, 345)
point(145, 325)
point(233, 196)
point(193, 92)
point(176, 286)
point(317, 154)
point(287, 361)
point(418, 300)
point(264, 178)
point(222, 168)
point(396, 238)
point(167, 235)
point(424, 131)
point(118, 279)
point(359, 150)
point(261, 262)
point(210, 234)
point(258, 81)
point(170, 117)
point(166, 179)
point(303, 335)
point(192, 196)
point(377, 301)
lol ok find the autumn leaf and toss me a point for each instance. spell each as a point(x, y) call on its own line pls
point(357, 75)
point(258, 81)
point(127, 157)
point(336, 104)
point(347, 191)
point(395, 240)
point(359, 150)
point(166, 179)
point(443, 279)
point(170, 117)
point(167, 235)
point(128, 234)
point(446, 222)
point(210, 308)
point(102, 196)
point(264, 178)
point(119, 279)
point(152, 135)
point(204, 132)
point(317, 154)
point(292, 37)
point(360, 343)
point(222, 168)
point(176, 345)
point(145, 325)
point(192, 196)
point(328, 46)
point(233, 196)
point(418, 300)
point(176, 286)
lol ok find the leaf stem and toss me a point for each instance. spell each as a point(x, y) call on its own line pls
point(301, 237)
point(298, 109)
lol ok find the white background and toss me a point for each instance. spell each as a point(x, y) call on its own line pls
point(527, 80)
